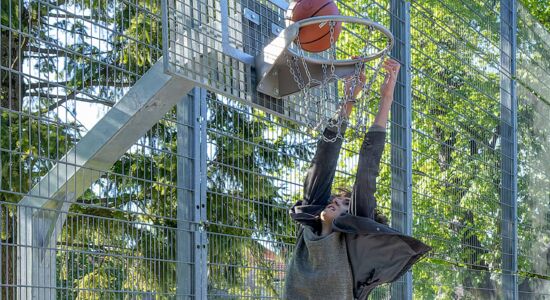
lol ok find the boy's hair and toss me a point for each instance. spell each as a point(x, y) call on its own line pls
point(345, 192)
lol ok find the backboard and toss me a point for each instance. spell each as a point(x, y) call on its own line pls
point(214, 43)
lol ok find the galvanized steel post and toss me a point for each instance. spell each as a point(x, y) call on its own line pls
point(508, 101)
point(401, 135)
point(191, 246)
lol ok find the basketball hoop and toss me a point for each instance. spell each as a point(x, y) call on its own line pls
point(331, 20)
point(315, 75)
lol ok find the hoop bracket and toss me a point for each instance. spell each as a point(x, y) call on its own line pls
point(250, 15)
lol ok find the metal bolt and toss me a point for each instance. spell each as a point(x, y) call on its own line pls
point(276, 91)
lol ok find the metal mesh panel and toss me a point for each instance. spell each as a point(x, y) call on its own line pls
point(118, 239)
point(62, 65)
point(214, 45)
point(136, 232)
point(253, 176)
point(533, 90)
point(456, 119)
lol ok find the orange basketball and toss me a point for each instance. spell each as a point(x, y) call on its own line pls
point(316, 37)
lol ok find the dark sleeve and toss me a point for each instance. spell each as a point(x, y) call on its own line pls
point(318, 182)
point(363, 201)
point(319, 178)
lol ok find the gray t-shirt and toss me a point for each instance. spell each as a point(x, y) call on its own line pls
point(319, 268)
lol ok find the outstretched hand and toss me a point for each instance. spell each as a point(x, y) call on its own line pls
point(391, 67)
point(386, 91)
point(353, 85)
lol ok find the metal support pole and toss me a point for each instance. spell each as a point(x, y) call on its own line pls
point(508, 127)
point(191, 242)
point(185, 209)
point(36, 256)
point(201, 104)
point(401, 136)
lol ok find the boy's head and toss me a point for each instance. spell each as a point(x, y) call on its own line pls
point(340, 204)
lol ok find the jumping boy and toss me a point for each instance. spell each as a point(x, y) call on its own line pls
point(344, 249)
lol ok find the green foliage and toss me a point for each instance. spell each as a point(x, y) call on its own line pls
point(245, 203)
point(9, 14)
point(455, 125)
point(34, 134)
point(456, 158)
point(28, 148)
point(456, 148)
point(540, 9)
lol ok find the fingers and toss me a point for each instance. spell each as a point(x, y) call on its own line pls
point(391, 66)
point(358, 77)
point(354, 83)
point(391, 62)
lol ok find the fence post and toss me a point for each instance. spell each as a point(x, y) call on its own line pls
point(401, 136)
point(200, 185)
point(508, 101)
point(191, 245)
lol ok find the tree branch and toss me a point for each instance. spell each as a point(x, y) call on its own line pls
point(50, 51)
point(68, 16)
point(36, 85)
point(55, 51)
point(65, 98)
point(53, 55)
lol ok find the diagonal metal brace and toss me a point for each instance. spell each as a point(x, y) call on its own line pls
point(43, 211)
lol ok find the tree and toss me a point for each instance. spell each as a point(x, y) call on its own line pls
point(533, 152)
point(247, 208)
point(540, 9)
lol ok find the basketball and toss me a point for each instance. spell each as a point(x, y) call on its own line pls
point(316, 37)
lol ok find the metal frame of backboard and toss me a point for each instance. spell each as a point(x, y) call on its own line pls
point(198, 48)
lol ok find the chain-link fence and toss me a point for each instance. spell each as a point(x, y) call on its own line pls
point(92, 208)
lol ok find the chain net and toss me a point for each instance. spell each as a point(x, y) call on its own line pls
point(324, 98)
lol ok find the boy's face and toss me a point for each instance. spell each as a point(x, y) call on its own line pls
point(337, 207)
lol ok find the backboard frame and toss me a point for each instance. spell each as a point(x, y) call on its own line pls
point(216, 45)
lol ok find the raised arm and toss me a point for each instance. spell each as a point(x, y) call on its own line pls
point(317, 186)
point(363, 201)
point(318, 182)
point(386, 91)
